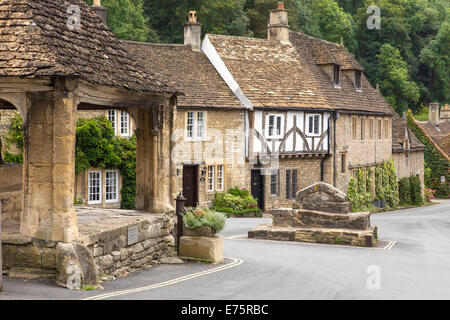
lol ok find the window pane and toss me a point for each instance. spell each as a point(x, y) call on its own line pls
point(210, 178)
point(316, 124)
point(190, 125)
point(124, 123)
point(112, 115)
point(288, 184)
point(278, 126)
point(94, 187)
point(274, 183)
point(200, 124)
point(271, 125)
point(220, 170)
point(111, 186)
point(294, 183)
point(310, 119)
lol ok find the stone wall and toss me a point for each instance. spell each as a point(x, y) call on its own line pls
point(11, 191)
point(114, 258)
point(411, 165)
point(11, 176)
point(224, 145)
point(359, 153)
point(308, 174)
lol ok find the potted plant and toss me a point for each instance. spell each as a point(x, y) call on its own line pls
point(202, 222)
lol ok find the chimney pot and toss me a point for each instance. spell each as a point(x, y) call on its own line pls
point(193, 32)
point(281, 5)
point(278, 28)
point(433, 113)
point(97, 3)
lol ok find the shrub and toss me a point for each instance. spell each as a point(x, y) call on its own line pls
point(357, 195)
point(416, 190)
point(404, 191)
point(429, 193)
point(236, 199)
point(202, 217)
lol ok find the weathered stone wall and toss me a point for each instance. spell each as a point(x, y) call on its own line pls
point(114, 258)
point(411, 165)
point(359, 153)
point(308, 174)
point(12, 207)
point(224, 145)
point(11, 175)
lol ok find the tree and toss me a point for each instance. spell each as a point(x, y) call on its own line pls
point(395, 82)
point(126, 20)
point(325, 19)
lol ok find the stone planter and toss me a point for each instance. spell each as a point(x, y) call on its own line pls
point(199, 232)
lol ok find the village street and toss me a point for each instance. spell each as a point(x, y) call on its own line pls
point(416, 266)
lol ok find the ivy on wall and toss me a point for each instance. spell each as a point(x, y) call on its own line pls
point(98, 147)
point(436, 165)
point(386, 187)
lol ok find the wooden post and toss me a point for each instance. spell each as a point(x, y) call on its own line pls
point(180, 200)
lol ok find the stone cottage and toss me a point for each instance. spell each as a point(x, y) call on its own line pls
point(312, 115)
point(407, 151)
point(207, 128)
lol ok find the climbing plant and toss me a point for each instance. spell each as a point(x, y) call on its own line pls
point(15, 136)
point(98, 147)
point(357, 192)
point(436, 165)
point(390, 184)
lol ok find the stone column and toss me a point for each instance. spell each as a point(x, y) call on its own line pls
point(49, 169)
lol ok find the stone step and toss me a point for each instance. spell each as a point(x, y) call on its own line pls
point(338, 236)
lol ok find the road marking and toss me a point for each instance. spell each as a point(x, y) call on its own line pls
point(235, 262)
point(388, 246)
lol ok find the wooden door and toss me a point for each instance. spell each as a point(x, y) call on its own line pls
point(257, 189)
point(190, 185)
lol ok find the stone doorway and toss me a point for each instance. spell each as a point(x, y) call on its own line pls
point(190, 185)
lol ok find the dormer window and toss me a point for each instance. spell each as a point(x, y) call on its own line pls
point(336, 76)
point(358, 84)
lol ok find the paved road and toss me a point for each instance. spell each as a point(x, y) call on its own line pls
point(416, 267)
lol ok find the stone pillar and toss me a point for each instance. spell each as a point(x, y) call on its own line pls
point(49, 169)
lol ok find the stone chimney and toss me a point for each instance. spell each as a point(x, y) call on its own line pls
point(445, 112)
point(99, 10)
point(193, 32)
point(278, 28)
point(433, 113)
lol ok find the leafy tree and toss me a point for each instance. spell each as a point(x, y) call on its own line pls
point(126, 20)
point(395, 82)
point(326, 20)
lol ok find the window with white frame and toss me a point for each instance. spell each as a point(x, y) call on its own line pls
point(195, 125)
point(211, 178)
point(112, 116)
point(313, 122)
point(220, 175)
point(111, 186)
point(124, 124)
point(95, 187)
point(274, 125)
point(274, 183)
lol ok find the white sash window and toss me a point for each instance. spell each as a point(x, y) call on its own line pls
point(95, 187)
point(112, 186)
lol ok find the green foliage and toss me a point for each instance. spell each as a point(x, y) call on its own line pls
point(436, 165)
point(415, 190)
point(98, 147)
point(127, 21)
point(390, 184)
point(13, 158)
point(379, 192)
point(15, 136)
point(395, 81)
point(404, 191)
point(200, 217)
point(236, 199)
point(357, 194)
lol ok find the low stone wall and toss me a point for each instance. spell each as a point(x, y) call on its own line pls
point(309, 218)
point(362, 238)
point(12, 207)
point(115, 258)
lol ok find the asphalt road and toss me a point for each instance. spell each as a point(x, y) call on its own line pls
point(417, 266)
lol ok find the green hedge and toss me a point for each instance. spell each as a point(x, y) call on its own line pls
point(404, 191)
point(434, 161)
point(415, 191)
point(230, 211)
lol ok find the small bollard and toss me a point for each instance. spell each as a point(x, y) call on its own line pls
point(180, 200)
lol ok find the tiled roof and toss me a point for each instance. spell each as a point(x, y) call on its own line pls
point(188, 71)
point(270, 73)
point(440, 133)
point(277, 75)
point(398, 135)
point(36, 41)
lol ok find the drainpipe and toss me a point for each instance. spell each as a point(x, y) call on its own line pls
point(335, 117)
